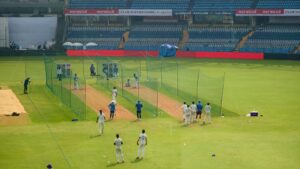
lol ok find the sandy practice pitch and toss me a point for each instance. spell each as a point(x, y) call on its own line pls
point(165, 103)
point(9, 103)
point(96, 100)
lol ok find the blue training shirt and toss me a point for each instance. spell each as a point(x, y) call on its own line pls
point(112, 107)
point(139, 106)
point(199, 107)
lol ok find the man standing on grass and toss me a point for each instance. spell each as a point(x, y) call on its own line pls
point(183, 107)
point(118, 145)
point(187, 113)
point(199, 110)
point(100, 121)
point(141, 142)
point(136, 78)
point(59, 73)
point(114, 93)
point(139, 107)
point(92, 70)
point(207, 113)
point(26, 83)
point(112, 109)
point(193, 108)
point(76, 82)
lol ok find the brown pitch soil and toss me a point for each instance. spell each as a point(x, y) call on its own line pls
point(97, 100)
point(9, 103)
point(165, 103)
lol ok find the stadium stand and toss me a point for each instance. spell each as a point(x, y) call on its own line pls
point(103, 4)
point(214, 38)
point(149, 34)
point(273, 39)
point(220, 5)
point(175, 5)
point(282, 4)
point(105, 37)
point(150, 37)
point(31, 6)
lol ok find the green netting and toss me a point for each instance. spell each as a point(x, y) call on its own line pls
point(71, 93)
point(184, 82)
point(125, 82)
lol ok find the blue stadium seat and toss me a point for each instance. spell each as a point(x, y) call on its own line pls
point(273, 39)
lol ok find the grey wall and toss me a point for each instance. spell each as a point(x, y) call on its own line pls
point(29, 32)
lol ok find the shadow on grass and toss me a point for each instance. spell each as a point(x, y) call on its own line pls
point(136, 160)
point(113, 164)
point(167, 90)
point(95, 136)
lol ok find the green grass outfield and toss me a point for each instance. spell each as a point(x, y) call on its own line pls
point(271, 141)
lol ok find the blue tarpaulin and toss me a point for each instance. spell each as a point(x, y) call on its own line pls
point(167, 50)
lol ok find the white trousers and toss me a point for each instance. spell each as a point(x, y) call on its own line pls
point(76, 85)
point(119, 155)
point(187, 118)
point(141, 150)
point(101, 128)
point(193, 116)
point(207, 117)
point(113, 96)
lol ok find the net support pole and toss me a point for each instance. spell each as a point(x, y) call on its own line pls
point(25, 73)
point(122, 79)
point(51, 75)
point(177, 79)
point(222, 95)
point(83, 66)
point(147, 66)
point(161, 72)
point(70, 86)
point(85, 106)
point(197, 88)
point(156, 99)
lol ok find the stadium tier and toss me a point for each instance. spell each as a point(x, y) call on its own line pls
point(175, 5)
point(105, 37)
point(150, 37)
point(214, 39)
point(220, 5)
point(273, 39)
point(195, 6)
point(268, 39)
point(282, 4)
point(92, 4)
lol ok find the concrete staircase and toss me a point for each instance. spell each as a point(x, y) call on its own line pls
point(254, 3)
point(123, 40)
point(243, 41)
point(184, 39)
point(61, 32)
point(128, 3)
point(296, 49)
point(191, 5)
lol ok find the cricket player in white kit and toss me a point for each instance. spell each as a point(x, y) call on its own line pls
point(114, 93)
point(193, 109)
point(136, 79)
point(141, 142)
point(76, 82)
point(118, 145)
point(207, 117)
point(183, 108)
point(100, 121)
point(187, 113)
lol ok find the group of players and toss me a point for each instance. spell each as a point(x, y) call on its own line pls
point(142, 140)
point(118, 142)
point(192, 112)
